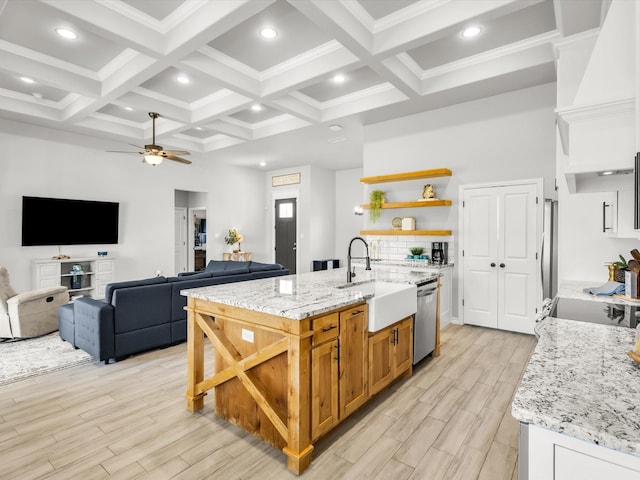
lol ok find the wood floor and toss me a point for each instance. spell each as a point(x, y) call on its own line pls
point(450, 420)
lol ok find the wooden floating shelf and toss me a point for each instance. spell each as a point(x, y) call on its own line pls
point(406, 232)
point(398, 177)
point(430, 203)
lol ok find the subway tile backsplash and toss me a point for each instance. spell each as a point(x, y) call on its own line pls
point(396, 247)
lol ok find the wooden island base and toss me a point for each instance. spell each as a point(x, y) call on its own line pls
point(286, 381)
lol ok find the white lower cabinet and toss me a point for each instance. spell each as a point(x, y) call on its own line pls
point(552, 455)
point(97, 272)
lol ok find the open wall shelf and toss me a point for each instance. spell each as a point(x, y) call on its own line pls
point(429, 203)
point(399, 177)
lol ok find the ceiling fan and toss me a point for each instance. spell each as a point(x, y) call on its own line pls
point(155, 154)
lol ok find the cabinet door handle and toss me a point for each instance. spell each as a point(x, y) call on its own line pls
point(605, 205)
point(337, 357)
point(357, 312)
point(329, 328)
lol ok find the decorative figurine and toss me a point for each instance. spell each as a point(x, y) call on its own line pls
point(427, 192)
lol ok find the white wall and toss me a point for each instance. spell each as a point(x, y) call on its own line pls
point(35, 164)
point(500, 138)
point(315, 196)
point(347, 224)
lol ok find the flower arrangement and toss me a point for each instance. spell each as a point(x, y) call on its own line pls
point(234, 237)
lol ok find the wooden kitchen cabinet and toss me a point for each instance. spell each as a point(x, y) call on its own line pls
point(339, 367)
point(390, 354)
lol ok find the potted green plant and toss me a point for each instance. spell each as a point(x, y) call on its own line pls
point(233, 237)
point(376, 199)
point(621, 266)
point(416, 252)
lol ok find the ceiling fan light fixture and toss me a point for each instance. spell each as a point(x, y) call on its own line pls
point(153, 159)
point(66, 33)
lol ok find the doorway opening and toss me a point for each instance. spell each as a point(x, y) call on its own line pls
point(285, 233)
point(190, 231)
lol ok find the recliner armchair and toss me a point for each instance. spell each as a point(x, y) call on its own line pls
point(29, 314)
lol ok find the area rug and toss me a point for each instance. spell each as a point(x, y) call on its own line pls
point(37, 356)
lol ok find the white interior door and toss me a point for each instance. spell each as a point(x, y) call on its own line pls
point(500, 226)
point(480, 244)
point(517, 234)
point(180, 235)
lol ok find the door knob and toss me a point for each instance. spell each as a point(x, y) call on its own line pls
point(502, 265)
point(493, 264)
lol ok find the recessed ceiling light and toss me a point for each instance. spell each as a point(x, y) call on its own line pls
point(37, 95)
point(128, 109)
point(471, 32)
point(198, 128)
point(608, 172)
point(339, 78)
point(183, 79)
point(256, 107)
point(268, 33)
point(336, 139)
point(335, 127)
point(263, 163)
point(27, 80)
point(66, 33)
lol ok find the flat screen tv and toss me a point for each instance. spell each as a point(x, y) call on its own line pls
point(61, 221)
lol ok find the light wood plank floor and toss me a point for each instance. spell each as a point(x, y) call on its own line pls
point(450, 420)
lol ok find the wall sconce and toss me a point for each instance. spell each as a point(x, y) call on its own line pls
point(357, 210)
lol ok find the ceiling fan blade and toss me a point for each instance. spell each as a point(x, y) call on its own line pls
point(178, 159)
point(176, 152)
point(137, 146)
point(121, 151)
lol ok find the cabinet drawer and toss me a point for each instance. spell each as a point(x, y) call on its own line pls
point(325, 328)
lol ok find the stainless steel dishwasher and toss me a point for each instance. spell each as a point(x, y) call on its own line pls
point(424, 321)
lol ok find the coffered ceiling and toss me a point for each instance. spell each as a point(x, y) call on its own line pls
point(397, 57)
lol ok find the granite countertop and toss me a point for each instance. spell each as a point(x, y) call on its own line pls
point(580, 382)
point(304, 295)
point(575, 289)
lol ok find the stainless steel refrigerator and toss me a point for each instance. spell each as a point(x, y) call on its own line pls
point(549, 256)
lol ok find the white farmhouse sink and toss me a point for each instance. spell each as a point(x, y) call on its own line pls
point(391, 302)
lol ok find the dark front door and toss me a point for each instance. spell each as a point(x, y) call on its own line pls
point(286, 233)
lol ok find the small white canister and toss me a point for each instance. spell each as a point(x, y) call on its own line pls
point(408, 223)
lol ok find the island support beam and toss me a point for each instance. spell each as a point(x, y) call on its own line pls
point(195, 363)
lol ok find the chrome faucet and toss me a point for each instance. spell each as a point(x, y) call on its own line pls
point(351, 274)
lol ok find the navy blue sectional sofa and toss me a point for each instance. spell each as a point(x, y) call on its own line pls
point(141, 315)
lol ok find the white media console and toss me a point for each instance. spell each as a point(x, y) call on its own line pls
point(98, 272)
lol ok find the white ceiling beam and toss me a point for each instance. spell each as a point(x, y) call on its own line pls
point(52, 75)
point(204, 61)
point(490, 68)
point(275, 128)
point(230, 129)
point(220, 106)
point(439, 21)
point(298, 108)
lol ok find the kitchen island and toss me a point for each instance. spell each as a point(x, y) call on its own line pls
point(292, 354)
point(578, 404)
